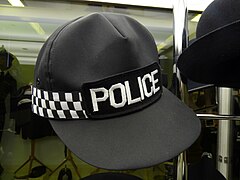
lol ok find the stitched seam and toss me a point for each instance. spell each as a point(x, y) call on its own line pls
point(51, 48)
point(114, 27)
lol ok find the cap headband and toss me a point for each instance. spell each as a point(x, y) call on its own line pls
point(113, 96)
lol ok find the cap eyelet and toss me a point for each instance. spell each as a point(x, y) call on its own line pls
point(38, 81)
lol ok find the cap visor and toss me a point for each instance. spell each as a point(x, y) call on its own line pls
point(138, 140)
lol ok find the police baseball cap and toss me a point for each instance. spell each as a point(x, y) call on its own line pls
point(98, 81)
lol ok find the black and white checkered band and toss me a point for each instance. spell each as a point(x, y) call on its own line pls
point(57, 105)
point(112, 96)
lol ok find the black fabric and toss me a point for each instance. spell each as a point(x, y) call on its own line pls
point(111, 176)
point(37, 128)
point(37, 171)
point(28, 124)
point(213, 58)
point(100, 46)
point(2, 122)
point(218, 14)
point(204, 170)
point(8, 85)
point(6, 59)
point(1, 169)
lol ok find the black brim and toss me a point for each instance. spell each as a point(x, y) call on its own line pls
point(138, 140)
point(194, 86)
point(214, 58)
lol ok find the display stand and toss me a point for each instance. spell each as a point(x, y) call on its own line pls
point(225, 100)
point(224, 141)
point(30, 160)
point(180, 43)
point(68, 157)
point(218, 117)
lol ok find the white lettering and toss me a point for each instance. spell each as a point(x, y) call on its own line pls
point(154, 81)
point(147, 76)
point(140, 87)
point(95, 100)
point(129, 95)
point(123, 95)
point(147, 86)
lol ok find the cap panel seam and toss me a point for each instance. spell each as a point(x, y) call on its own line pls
point(51, 49)
point(114, 27)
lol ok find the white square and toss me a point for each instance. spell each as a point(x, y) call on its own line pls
point(77, 106)
point(52, 105)
point(84, 113)
point(33, 99)
point(34, 91)
point(39, 93)
point(40, 110)
point(61, 114)
point(46, 95)
point(43, 102)
point(64, 105)
point(80, 97)
point(68, 97)
point(36, 101)
point(55, 96)
point(49, 112)
point(35, 109)
point(74, 114)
